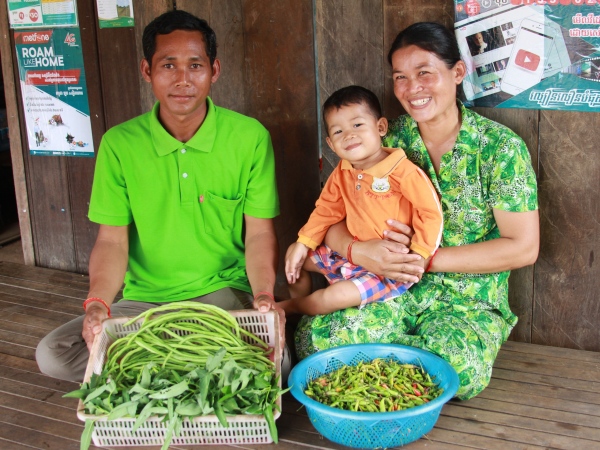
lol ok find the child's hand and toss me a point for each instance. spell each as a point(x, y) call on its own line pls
point(294, 260)
point(421, 262)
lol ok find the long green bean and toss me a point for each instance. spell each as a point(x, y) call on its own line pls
point(186, 358)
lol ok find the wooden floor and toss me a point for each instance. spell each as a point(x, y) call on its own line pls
point(539, 397)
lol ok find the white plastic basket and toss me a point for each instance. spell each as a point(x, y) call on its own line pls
point(202, 430)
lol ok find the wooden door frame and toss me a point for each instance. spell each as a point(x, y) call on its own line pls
point(16, 143)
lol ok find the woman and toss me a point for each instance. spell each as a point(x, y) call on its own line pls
point(482, 171)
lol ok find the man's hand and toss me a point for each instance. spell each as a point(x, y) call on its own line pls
point(108, 264)
point(92, 323)
point(264, 303)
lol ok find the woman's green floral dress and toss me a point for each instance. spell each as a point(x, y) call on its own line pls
point(464, 318)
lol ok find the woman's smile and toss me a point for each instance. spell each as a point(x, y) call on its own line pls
point(420, 102)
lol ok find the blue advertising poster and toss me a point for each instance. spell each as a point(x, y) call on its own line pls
point(542, 54)
point(54, 90)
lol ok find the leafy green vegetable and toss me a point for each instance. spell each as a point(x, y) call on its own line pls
point(86, 437)
point(192, 360)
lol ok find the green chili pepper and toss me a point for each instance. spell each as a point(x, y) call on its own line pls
point(380, 385)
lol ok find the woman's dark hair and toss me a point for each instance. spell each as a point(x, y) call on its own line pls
point(429, 36)
point(178, 19)
point(352, 95)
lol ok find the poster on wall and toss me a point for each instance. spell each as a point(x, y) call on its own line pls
point(530, 54)
point(115, 13)
point(55, 98)
point(42, 13)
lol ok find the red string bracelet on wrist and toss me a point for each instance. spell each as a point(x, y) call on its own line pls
point(96, 299)
point(349, 251)
point(268, 294)
point(431, 260)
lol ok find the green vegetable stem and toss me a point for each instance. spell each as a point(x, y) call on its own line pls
point(186, 359)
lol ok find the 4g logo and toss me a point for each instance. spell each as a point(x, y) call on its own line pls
point(33, 15)
point(70, 39)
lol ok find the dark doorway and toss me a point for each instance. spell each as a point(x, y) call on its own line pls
point(9, 221)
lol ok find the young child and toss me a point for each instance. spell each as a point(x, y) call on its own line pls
point(370, 185)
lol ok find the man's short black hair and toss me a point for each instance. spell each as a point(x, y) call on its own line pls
point(352, 95)
point(178, 19)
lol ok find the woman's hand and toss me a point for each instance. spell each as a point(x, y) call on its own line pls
point(390, 257)
point(387, 257)
point(400, 233)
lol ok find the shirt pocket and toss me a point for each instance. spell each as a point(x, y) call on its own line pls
point(221, 215)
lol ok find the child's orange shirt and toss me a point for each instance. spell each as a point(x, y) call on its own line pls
point(393, 188)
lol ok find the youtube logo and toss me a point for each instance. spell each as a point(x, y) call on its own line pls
point(527, 60)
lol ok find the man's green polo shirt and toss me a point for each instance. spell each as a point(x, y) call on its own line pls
point(185, 202)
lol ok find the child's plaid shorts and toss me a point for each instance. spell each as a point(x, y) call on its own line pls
point(373, 288)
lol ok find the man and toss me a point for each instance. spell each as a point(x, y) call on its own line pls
point(174, 189)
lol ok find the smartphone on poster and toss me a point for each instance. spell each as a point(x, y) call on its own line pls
point(532, 47)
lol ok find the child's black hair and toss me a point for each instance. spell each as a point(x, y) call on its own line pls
point(352, 95)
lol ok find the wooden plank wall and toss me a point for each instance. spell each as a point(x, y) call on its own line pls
point(280, 62)
point(566, 308)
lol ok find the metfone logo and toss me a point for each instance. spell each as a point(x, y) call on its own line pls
point(33, 37)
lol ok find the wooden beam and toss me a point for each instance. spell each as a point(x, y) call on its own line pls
point(14, 130)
